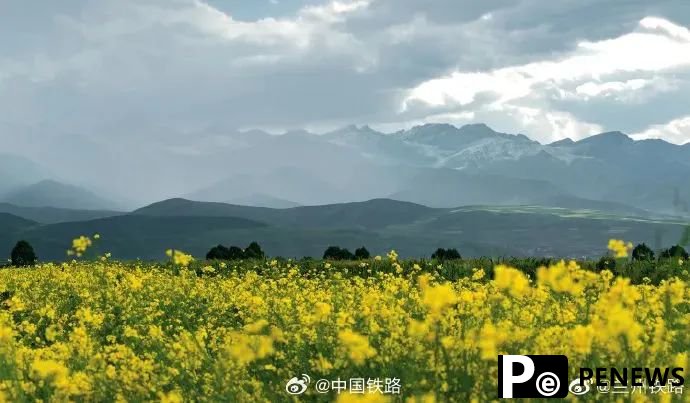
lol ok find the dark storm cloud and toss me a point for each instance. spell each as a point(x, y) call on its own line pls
point(155, 72)
point(317, 63)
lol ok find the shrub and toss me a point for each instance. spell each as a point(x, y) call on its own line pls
point(23, 254)
point(347, 255)
point(235, 253)
point(675, 251)
point(337, 253)
point(362, 253)
point(218, 252)
point(606, 263)
point(642, 252)
point(253, 251)
point(446, 254)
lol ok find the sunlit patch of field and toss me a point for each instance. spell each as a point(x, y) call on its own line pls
point(574, 213)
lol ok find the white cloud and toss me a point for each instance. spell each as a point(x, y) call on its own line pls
point(516, 68)
point(151, 74)
point(651, 55)
point(640, 52)
point(310, 23)
point(633, 90)
point(548, 126)
point(289, 32)
point(677, 31)
point(593, 89)
point(676, 131)
point(453, 118)
point(335, 11)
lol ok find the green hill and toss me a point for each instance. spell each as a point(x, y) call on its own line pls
point(380, 225)
point(50, 193)
point(371, 214)
point(11, 223)
point(131, 237)
point(52, 215)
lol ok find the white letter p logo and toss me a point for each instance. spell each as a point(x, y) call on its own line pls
point(507, 376)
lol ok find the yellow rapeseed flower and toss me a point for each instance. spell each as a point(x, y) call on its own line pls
point(179, 258)
point(357, 346)
point(512, 280)
point(393, 256)
point(136, 331)
point(438, 297)
point(619, 248)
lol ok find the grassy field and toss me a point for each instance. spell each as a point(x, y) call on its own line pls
point(187, 330)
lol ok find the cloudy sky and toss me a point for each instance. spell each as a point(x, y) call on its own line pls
point(152, 70)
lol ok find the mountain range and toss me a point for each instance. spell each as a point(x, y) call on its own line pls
point(444, 166)
point(438, 165)
point(434, 185)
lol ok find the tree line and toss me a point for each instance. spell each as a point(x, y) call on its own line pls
point(220, 252)
point(253, 251)
point(643, 253)
point(23, 254)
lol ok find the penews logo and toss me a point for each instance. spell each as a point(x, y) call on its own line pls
point(532, 376)
point(297, 386)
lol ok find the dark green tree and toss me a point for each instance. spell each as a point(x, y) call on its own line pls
point(235, 253)
point(337, 253)
point(218, 252)
point(446, 254)
point(362, 253)
point(642, 252)
point(23, 254)
point(253, 251)
point(346, 254)
point(439, 254)
point(453, 254)
point(331, 253)
point(675, 251)
point(606, 263)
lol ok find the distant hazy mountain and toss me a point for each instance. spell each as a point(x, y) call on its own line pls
point(49, 193)
point(262, 200)
point(610, 167)
point(443, 165)
point(438, 165)
point(52, 215)
point(286, 183)
point(443, 187)
point(16, 171)
point(436, 145)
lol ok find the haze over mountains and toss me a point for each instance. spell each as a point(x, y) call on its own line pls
point(438, 165)
point(258, 186)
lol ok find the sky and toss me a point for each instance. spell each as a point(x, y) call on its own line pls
point(150, 72)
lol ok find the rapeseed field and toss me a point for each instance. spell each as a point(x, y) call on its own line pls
point(103, 330)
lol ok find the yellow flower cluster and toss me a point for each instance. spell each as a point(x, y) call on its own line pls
point(356, 345)
point(619, 248)
point(80, 245)
point(179, 258)
point(114, 331)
